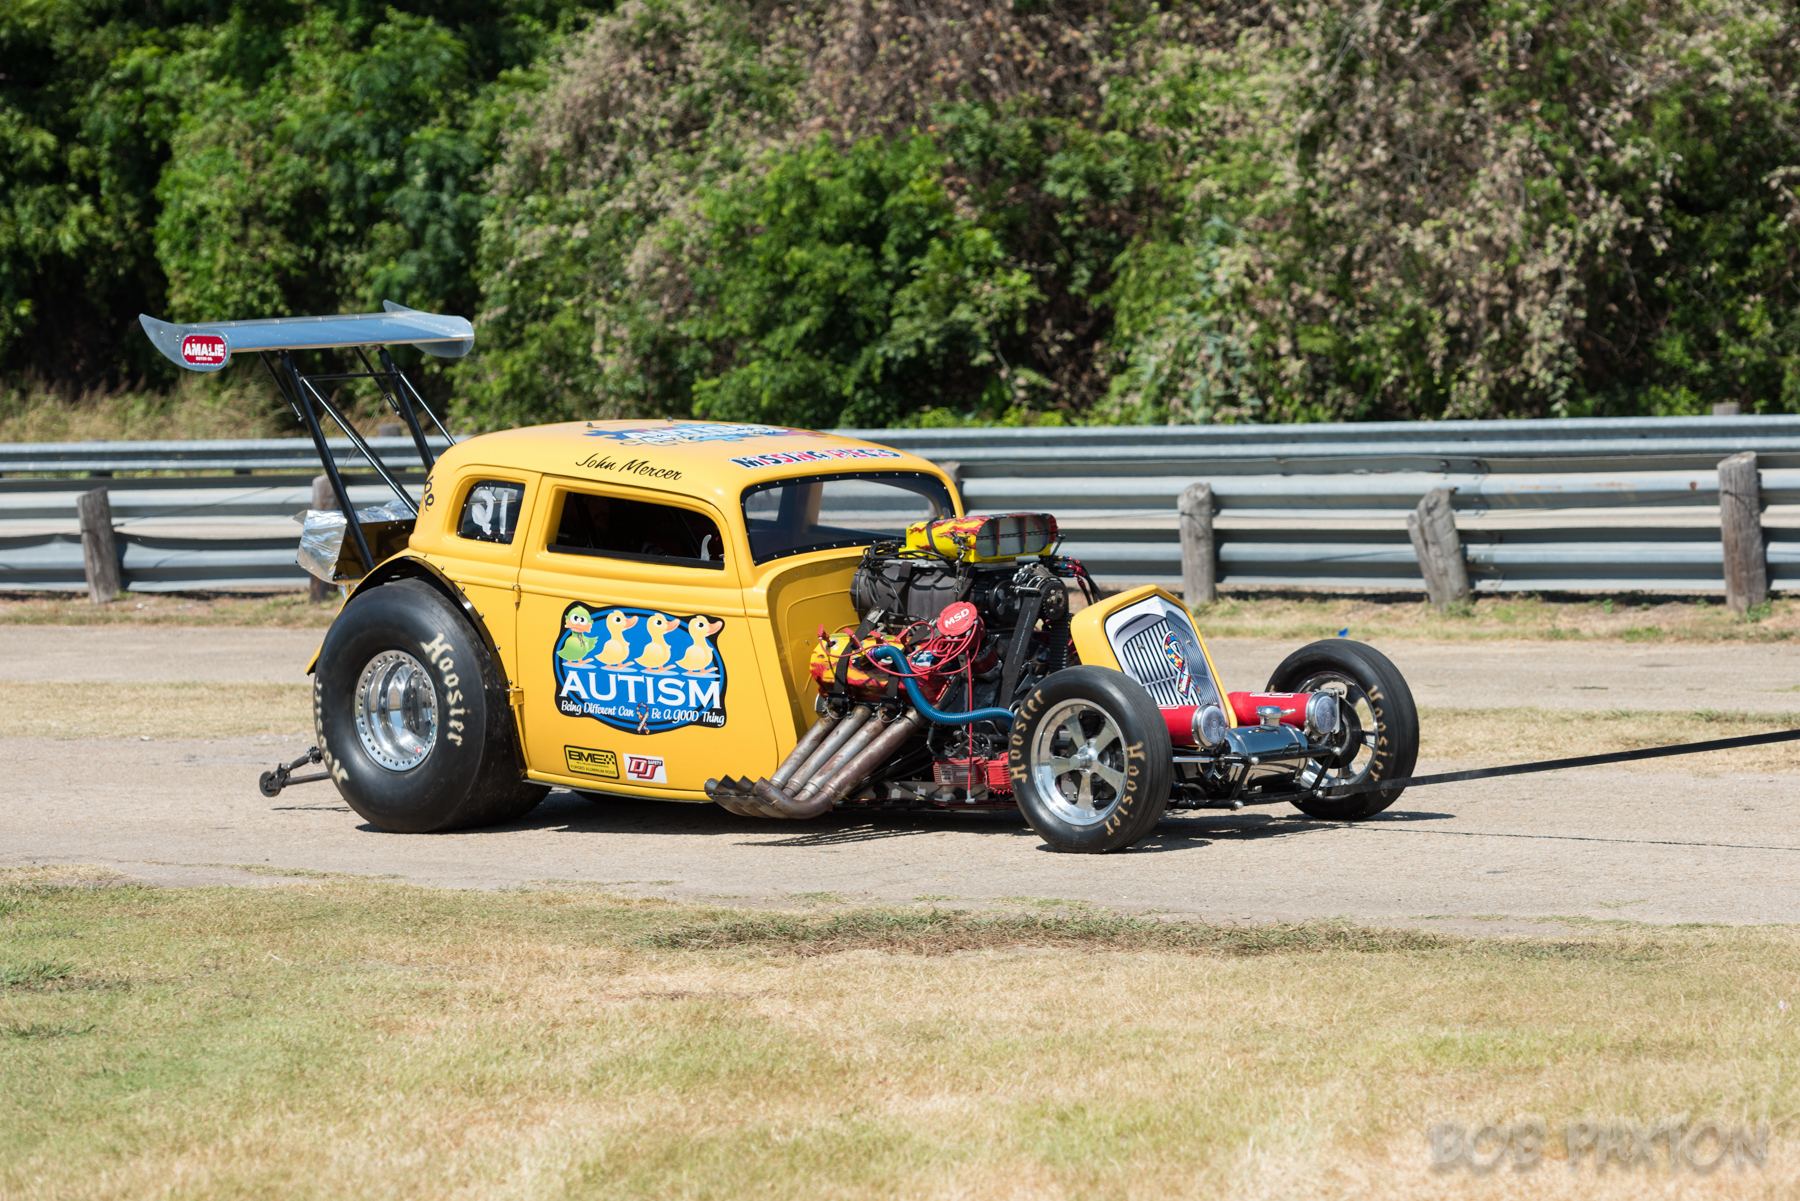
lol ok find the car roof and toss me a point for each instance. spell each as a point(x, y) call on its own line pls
point(710, 460)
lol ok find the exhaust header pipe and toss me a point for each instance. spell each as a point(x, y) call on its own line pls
point(859, 745)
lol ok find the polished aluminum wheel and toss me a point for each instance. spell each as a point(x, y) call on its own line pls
point(396, 711)
point(1078, 762)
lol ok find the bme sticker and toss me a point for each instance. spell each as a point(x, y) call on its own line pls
point(646, 769)
point(639, 670)
point(585, 761)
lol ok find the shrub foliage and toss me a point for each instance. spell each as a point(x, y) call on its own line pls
point(199, 159)
point(937, 211)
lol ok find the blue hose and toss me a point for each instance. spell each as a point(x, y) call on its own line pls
point(893, 655)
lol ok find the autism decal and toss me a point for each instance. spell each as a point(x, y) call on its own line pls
point(671, 435)
point(639, 670)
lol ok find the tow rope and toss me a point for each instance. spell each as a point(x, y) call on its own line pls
point(1520, 769)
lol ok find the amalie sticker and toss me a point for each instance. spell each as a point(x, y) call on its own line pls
point(203, 350)
point(639, 670)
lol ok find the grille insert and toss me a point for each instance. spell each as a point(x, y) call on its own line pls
point(1161, 658)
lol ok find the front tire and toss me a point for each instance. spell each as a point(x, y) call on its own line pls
point(1379, 735)
point(1091, 761)
point(412, 716)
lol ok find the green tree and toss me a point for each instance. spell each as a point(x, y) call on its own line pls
point(250, 158)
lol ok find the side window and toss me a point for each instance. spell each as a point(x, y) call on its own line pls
point(615, 528)
point(491, 513)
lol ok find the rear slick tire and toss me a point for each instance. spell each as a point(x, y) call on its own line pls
point(412, 717)
point(1090, 760)
point(1380, 731)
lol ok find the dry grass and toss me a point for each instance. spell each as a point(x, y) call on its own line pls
point(1463, 736)
point(238, 403)
point(264, 610)
point(1273, 616)
point(947, 932)
point(1482, 737)
point(352, 1039)
point(241, 404)
point(1475, 737)
point(160, 710)
point(1623, 618)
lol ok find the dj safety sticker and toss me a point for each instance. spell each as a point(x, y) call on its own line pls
point(639, 670)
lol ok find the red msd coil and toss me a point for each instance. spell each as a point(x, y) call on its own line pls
point(958, 619)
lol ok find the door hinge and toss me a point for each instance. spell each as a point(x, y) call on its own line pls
point(515, 695)
point(518, 593)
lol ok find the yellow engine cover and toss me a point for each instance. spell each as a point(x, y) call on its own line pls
point(992, 538)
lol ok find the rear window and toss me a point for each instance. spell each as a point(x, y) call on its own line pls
point(613, 527)
point(491, 513)
point(826, 512)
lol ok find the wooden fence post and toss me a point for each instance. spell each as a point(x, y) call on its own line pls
point(99, 551)
point(1740, 530)
point(1199, 563)
point(323, 498)
point(1432, 528)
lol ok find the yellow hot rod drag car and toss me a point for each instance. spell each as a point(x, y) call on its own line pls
point(780, 621)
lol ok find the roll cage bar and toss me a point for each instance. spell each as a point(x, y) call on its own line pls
point(209, 345)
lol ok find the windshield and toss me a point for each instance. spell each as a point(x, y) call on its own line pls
point(825, 512)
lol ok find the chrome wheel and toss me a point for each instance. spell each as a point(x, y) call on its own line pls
point(396, 711)
point(1078, 762)
point(1356, 736)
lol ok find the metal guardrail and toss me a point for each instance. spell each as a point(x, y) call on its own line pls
point(53, 563)
point(174, 534)
point(1612, 504)
point(248, 454)
point(1577, 505)
point(1474, 447)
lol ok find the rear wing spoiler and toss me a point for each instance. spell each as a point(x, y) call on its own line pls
point(209, 345)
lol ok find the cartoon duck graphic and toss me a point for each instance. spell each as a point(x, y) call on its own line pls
point(657, 654)
point(580, 642)
point(616, 650)
point(699, 657)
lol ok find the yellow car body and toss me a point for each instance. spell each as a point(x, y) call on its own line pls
point(665, 609)
point(708, 666)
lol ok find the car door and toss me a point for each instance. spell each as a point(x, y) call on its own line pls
point(476, 543)
point(637, 658)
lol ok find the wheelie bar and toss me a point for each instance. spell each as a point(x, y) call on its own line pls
point(1523, 769)
point(272, 782)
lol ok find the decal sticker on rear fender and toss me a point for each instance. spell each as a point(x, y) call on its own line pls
point(647, 769)
point(586, 761)
point(642, 671)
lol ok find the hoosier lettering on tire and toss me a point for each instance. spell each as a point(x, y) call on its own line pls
point(412, 718)
point(1090, 760)
point(1378, 738)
